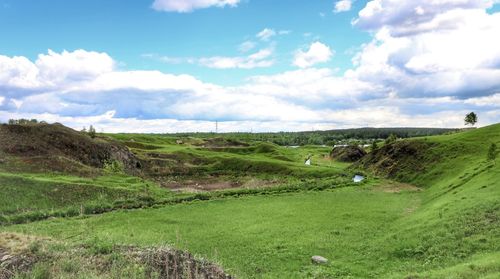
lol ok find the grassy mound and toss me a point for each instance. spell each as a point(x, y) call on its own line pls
point(58, 148)
point(27, 257)
point(459, 217)
point(448, 225)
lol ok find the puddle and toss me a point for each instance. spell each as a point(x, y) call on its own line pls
point(358, 178)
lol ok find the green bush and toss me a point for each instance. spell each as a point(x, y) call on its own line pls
point(113, 166)
point(98, 246)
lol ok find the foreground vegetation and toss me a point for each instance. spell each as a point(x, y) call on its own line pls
point(436, 215)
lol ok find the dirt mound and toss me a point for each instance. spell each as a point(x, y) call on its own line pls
point(348, 154)
point(400, 160)
point(20, 254)
point(173, 264)
point(51, 142)
point(222, 142)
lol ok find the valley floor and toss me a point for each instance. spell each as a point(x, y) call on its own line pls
point(444, 225)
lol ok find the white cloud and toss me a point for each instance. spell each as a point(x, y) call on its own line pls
point(186, 6)
point(402, 15)
point(260, 59)
point(342, 6)
point(284, 32)
point(266, 34)
point(52, 69)
point(454, 51)
point(247, 46)
point(317, 53)
point(427, 68)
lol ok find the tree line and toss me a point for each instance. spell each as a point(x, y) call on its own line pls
point(330, 137)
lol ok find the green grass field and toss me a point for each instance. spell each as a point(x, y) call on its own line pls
point(448, 226)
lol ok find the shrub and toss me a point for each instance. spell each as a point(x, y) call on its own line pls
point(113, 166)
point(98, 246)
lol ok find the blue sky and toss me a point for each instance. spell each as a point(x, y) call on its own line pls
point(270, 65)
point(132, 30)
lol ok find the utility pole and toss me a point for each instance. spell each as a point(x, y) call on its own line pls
point(216, 126)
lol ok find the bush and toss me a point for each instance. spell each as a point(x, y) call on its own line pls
point(98, 246)
point(113, 166)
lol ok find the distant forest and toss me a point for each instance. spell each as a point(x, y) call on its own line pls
point(330, 137)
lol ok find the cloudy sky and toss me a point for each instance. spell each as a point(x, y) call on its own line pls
point(251, 65)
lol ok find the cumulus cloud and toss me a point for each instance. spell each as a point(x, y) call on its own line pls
point(451, 51)
point(186, 6)
point(428, 67)
point(19, 76)
point(342, 6)
point(410, 16)
point(317, 53)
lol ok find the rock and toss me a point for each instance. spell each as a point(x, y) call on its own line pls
point(6, 258)
point(319, 260)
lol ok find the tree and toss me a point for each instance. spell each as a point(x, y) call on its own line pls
point(374, 145)
point(392, 138)
point(92, 131)
point(470, 119)
point(492, 153)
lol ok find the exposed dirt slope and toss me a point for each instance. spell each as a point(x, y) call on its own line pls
point(400, 160)
point(347, 154)
point(55, 147)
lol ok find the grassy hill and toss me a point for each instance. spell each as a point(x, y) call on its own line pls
point(459, 216)
point(48, 170)
point(435, 213)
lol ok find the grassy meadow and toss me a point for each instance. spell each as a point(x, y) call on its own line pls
point(435, 215)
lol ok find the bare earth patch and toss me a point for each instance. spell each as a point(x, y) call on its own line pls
point(214, 184)
point(397, 187)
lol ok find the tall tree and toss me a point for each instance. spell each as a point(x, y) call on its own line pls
point(91, 131)
point(470, 119)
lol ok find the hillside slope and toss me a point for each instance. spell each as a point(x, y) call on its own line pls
point(459, 218)
point(54, 147)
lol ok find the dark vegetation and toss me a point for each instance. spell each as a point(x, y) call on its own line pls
point(58, 148)
point(330, 137)
point(349, 154)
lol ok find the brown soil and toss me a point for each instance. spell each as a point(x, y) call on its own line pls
point(220, 142)
point(396, 187)
point(56, 147)
point(158, 262)
point(175, 264)
point(216, 183)
point(400, 160)
point(347, 154)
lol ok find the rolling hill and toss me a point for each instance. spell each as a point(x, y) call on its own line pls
point(429, 208)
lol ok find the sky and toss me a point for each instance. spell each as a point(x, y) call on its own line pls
point(158, 66)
